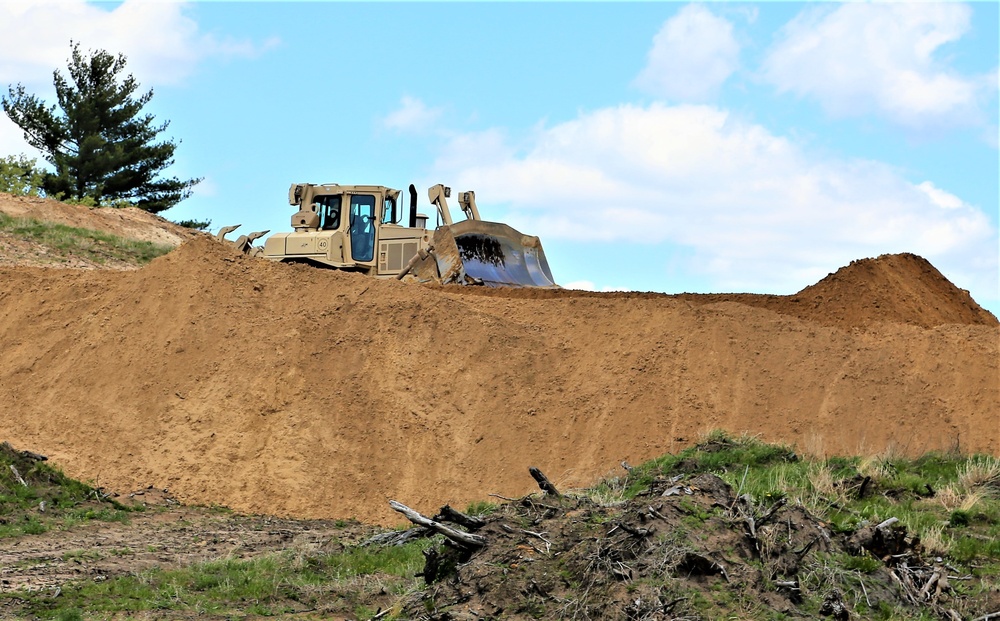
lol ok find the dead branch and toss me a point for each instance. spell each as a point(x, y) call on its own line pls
point(543, 482)
point(635, 532)
point(539, 535)
point(805, 549)
point(447, 514)
point(397, 538)
point(528, 502)
point(17, 475)
point(925, 592)
point(770, 512)
point(864, 487)
point(887, 523)
point(653, 512)
point(466, 540)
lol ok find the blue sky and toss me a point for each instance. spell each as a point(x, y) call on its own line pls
point(652, 146)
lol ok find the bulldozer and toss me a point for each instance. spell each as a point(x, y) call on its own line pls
point(359, 228)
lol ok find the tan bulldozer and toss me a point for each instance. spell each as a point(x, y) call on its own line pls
point(358, 227)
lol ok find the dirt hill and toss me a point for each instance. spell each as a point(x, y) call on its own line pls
point(130, 223)
point(314, 393)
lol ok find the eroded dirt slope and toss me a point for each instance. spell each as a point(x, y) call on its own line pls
point(296, 391)
point(130, 223)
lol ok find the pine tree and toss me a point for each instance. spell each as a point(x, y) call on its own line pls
point(97, 139)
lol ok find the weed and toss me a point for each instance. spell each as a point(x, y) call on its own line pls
point(959, 518)
point(864, 563)
point(81, 555)
point(980, 471)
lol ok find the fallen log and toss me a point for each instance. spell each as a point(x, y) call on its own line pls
point(543, 482)
point(464, 539)
point(397, 538)
point(448, 514)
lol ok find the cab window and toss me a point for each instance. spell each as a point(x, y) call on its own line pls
point(389, 215)
point(329, 212)
point(362, 227)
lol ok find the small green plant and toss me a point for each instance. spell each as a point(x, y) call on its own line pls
point(480, 508)
point(81, 555)
point(864, 563)
point(693, 511)
point(959, 518)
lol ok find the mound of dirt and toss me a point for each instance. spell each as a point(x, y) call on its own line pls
point(296, 391)
point(894, 288)
point(130, 222)
point(902, 288)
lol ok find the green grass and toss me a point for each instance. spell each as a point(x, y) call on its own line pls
point(49, 500)
point(718, 453)
point(67, 241)
point(865, 564)
point(267, 585)
point(481, 508)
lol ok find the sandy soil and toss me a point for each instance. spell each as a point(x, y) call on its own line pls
point(295, 391)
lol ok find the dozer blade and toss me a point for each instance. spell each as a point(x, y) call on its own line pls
point(490, 253)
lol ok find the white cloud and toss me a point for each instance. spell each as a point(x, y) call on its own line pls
point(940, 198)
point(861, 58)
point(753, 210)
point(692, 55)
point(162, 43)
point(163, 46)
point(413, 115)
point(12, 141)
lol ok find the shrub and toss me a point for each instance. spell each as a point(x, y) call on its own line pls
point(19, 176)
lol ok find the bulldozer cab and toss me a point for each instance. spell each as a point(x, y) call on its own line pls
point(352, 215)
